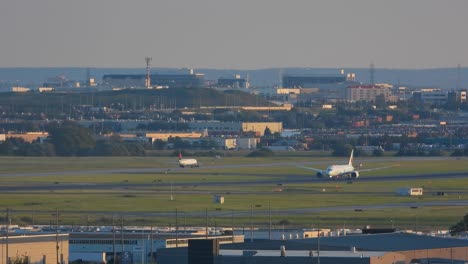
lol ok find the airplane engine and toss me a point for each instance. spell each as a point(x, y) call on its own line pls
point(319, 174)
point(355, 174)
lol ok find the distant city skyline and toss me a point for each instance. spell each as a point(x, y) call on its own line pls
point(241, 34)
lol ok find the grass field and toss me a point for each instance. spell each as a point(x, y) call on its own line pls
point(142, 186)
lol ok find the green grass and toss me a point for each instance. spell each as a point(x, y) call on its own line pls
point(153, 193)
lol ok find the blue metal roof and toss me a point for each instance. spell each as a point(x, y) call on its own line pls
point(371, 242)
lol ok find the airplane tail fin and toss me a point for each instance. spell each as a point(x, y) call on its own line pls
point(350, 163)
point(180, 155)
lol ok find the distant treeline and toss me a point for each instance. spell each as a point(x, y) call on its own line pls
point(70, 139)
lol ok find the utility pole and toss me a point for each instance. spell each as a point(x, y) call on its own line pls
point(152, 249)
point(206, 222)
point(113, 240)
point(176, 229)
point(56, 236)
point(251, 223)
point(232, 224)
point(122, 235)
point(7, 230)
point(269, 220)
point(318, 241)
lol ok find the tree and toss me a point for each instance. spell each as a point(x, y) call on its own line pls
point(459, 227)
point(378, 152)
point(136, 148)
point(9, 147)
point(159, 144)
point(37, 149)
point(457, 153)
point(263, 152)
point(179, 143)
point(110, 148)
point(342, 150)
point(70, 139)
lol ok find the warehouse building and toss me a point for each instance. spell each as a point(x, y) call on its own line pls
point(179, 80)
point(329, 87)
point(389, 248)
point(34, 248)
point(138, 246)
point(233, 82)
point(258, 128)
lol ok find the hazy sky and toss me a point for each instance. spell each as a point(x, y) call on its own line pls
point(241, 34)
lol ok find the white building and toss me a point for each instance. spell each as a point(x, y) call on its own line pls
point(247, 143)
point(367, 92)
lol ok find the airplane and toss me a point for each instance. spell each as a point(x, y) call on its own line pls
point(187, 162)
point(341, 171)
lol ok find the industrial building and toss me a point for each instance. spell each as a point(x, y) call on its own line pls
point(258, 128)
point(388, 248)
point(34, 248)
point(439, 96)
point(28, 137)
point(330, 87)
point(179, 80)
point(281, 233)
point(234, 82)
point(290, 81)
point(431, 96)
point(138, 245)
point(164, 136)
point(236, 142)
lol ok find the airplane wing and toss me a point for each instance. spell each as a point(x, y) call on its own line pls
point(309, 168)
point(378, 168)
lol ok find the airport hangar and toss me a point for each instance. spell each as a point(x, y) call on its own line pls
point(366, 248)
point(189, 80)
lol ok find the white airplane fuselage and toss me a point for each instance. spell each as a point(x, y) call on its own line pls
point(346, 171)
point(335, 171)
point(188, 163)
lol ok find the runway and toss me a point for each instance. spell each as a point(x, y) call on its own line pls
point(297, 179)
point(245, 179)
